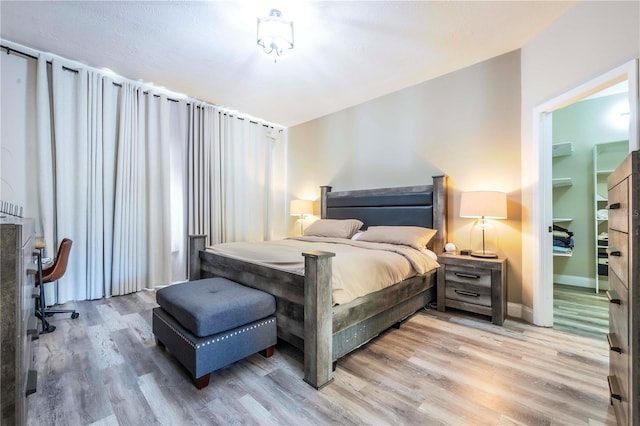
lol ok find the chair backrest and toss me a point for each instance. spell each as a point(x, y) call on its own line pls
point(59, 267)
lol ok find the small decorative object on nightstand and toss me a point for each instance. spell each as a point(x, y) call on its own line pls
point(473, 284)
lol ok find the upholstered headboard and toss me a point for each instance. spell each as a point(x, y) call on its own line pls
point(423, 205)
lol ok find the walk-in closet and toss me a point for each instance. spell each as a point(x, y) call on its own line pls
point(590, 138)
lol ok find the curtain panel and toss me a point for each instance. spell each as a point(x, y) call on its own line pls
point(127, 174)
point(235, 192)
point(104, 173)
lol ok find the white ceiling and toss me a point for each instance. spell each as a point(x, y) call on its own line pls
point(346, 52)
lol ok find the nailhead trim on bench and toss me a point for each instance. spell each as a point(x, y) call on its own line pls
point(218, 338)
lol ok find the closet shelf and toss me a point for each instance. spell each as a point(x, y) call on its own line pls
point(561, 149)
point(562, 219)
point(560, 182)
point(606, 156)
point(604, 172)
point(569, 254)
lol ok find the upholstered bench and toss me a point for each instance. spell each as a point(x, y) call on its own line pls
point(208, 324)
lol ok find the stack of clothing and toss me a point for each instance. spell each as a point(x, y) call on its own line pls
point(602, 214)
point(562, 240)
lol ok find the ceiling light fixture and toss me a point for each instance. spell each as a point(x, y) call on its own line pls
point(275, 34)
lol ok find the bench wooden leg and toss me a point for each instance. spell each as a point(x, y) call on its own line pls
point(159, 343)
point(202, 382)
point(268, 352)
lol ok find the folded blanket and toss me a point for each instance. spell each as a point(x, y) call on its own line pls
point(564, 250)
point(562, 242)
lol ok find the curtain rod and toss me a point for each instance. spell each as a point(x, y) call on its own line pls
point(11, 50)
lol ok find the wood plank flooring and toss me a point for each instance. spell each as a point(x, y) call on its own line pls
point(580, 311)
point(447, 368)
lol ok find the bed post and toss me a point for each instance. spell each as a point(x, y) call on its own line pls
point(324, 190)
point(440, 212)
point(196, 243)
point(318, 319)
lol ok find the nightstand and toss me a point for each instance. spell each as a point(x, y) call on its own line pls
point(473, 284)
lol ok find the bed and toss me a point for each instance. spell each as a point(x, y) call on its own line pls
point(306, 315)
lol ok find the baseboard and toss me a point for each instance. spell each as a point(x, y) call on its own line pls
point(518, 310)
point(583, 282)
point(574, 280)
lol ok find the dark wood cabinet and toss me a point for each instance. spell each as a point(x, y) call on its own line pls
point(17, 316)
point(624, 291)
point(473, 284)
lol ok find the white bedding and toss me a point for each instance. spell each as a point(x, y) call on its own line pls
point(359, 267)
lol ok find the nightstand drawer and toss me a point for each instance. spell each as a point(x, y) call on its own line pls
point(470, 293)
point(465, 275)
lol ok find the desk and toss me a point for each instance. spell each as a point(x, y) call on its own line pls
point(39, 245)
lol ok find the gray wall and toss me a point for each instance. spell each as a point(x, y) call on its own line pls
point(465, 124)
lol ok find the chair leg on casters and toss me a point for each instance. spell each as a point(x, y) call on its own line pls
point(42, 313)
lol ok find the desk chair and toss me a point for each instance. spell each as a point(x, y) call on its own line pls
point(50, 274)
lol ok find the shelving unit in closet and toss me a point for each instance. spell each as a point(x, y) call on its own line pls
point(606, 157)
point(561, 150)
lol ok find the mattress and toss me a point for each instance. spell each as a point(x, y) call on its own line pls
point(359, 267)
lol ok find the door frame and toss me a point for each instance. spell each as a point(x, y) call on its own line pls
point(542, 257)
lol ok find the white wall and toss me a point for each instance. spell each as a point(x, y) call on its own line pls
point(465, 124)
point(588, 40)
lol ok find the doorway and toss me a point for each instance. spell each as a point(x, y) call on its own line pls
point(590, 138)
point(543, 208)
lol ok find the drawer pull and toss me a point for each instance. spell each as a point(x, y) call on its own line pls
point(614, 345)
point(614, 390)
point(467, 293)
point(614, 206)
point(32, 328)
point(464, 275)
point(613, 297)
point(32, 382)
point(614, 252)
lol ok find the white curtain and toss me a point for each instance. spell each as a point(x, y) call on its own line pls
point(126, 174)
point(205, 198)
point(104, 173)
point(237, 178)
point(44, 154)
point(141, 241)
point(246, 179)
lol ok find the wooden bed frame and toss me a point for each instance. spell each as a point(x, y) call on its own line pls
point(305, 313)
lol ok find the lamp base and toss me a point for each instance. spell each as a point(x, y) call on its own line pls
point(485, 254)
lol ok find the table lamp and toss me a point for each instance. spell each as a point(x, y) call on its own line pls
point(483, 205)
point(301, 208)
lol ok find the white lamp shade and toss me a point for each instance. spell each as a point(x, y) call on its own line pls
point(300, 207)
point(487, 204)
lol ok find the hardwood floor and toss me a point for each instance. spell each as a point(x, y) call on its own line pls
point(580, 311)
point(438, 368)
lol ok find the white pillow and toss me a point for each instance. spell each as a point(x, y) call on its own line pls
point(412, 236)
point(333, 228)
point(430, 254)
